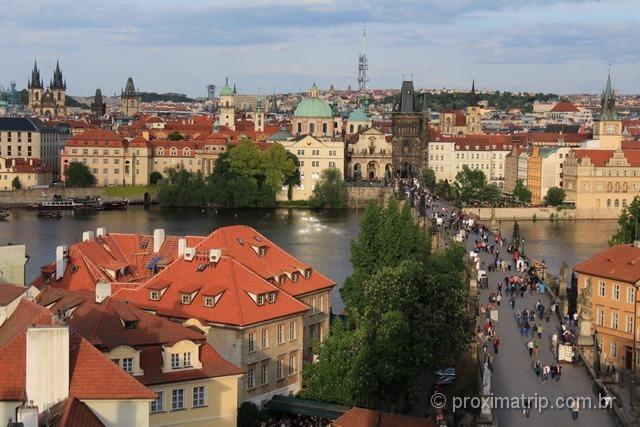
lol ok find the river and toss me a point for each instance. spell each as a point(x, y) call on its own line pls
point(321, 239)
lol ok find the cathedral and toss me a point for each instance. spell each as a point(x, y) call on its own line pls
point(409, 128)
point(49, 102)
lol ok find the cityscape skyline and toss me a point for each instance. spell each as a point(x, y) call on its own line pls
point(504, 46)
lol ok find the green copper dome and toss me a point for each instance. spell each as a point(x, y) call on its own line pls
point(313, 107)
point(226, 90)
point(358, 115)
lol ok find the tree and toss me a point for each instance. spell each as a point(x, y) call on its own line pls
point(555, 196)
point(521, 192)
point(330, 192)
point(470, 184)
point(175, 136)
point(16, 184)
point(443, 189)
point(293, 179)
point(279, 166)
point(429, 178)
point(628, 224)
point(155, 178)
point(491, 194)
point(183, 188)
point(78, 175)
point(249, 415)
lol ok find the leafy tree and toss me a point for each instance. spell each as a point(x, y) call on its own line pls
point(155, 178)
point(330, 192)
point(183, 188)
point(628, 224)
point(555, 196)
point(175, 136)
point(249, 415)
point(491, 194)
point(293, 179)
point(279, 166)
point(521, 192)
point(429, 178)
point(16, 184)
point(443, 189)
point(470, 184)
point(78, 175)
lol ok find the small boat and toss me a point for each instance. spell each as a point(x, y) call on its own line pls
point(50, 214)
point(114, 205)
point(3, 215)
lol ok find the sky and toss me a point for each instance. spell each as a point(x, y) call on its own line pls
point(560, 46)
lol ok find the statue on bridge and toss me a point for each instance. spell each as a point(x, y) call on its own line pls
point(515, 238)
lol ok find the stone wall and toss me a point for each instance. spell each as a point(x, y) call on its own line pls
point(360, 196)
point(541, 213)
point(34, 195)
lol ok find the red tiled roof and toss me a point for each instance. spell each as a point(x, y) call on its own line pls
point(361, 417)
point(564, 107)
point(620, 262)
point(26, 314)
point(70, 412)
point(9, 292)
point(598, 157)
point(93, 376)
point(475, 142)
point(23, 165)
point(12, 359)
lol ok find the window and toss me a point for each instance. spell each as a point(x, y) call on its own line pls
point(324, 128)
point(185, 299)
point(315, 163)
point(157, 405)
point(601, 316)
point(614, 349)
point(265, 338)
point(601, 290)
point(332, 164)
point(264, 377)
point(198, 396)
point(250, 378)
point(177, 399)
point(629, 326)
point(186, 360)
point(127, 364)
point(631, 294)
point(292, 364)
point(313, 306)
point(271, 297)
point(252, 341)
point(209, 301)
point(260, 299)
point(280, 333)
point(616, 292)
point(175, 360)
point(614, 320)
point(292, 330)
point(279, 374)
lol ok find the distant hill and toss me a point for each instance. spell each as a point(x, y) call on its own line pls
point(173, 97)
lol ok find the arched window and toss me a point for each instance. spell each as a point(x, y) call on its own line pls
point(160, 151)
point(609, 187)
point(324, 128)
point(350, 128)
point(608, 203)
point(312, 128)
point(624, 187)
point(174, 151)
point(186, 152)
point(597, 203)
point(299, 127)
point(624, 202)
point(617, 187)
point(616, 203)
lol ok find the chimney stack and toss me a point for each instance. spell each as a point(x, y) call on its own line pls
point(101, 231)
point(182, 245)
point(158, 239)
point(87, 235)
point(47, 374)
point(61, 261)
point(27, 414)
point(103, 291)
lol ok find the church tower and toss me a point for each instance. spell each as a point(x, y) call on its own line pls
point(607, 129)
point(409, 128)
point(98, 107)
point(474, 115)
point(130, 99)
point(258, 119)
point(36, 89)
point(226, 106)
point(58, 89)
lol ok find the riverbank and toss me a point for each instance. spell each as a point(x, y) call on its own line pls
point(541, 213)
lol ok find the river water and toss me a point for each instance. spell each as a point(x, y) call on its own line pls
point(321, 239)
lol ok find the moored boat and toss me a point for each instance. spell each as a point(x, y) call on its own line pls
point(50, 214)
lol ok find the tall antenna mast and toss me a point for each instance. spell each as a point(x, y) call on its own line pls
point(363, 63)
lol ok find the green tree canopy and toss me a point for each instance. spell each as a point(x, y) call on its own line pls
point(183, 188)
point(521, 192)
point(175, 136)
point(78, 175)
point(16, 184)
point(155, 178)
point(628, 224)
point(470, 184)
point(331, 191)
point(555, 196)
point(429, 178)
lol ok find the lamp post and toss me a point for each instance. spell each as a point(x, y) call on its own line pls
point(596, 356)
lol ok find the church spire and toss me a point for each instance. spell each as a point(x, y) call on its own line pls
point(473, 102)
point(608, 102)
point(35, 81)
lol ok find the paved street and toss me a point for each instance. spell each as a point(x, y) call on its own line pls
point(513, 368)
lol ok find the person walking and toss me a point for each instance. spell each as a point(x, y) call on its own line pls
point(537, 368)
point(530, 347)
point(540, 331)
point(575, 407)
point(499, 298)
point(496, 344)
point(536, 346)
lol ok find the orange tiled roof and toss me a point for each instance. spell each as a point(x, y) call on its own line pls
point(564, 107)
point(9, 293)
point(69, 412)
point(361, 417)
point(620, 262)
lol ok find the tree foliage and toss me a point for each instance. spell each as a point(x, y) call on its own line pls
point(175, 136)
point(555, 196)
point(16, 184)
point(78, 175)
point(628, 224)
point(429, 178)
point(182, 188)
point(155, 177)
point(521, 192)
point(330, 192)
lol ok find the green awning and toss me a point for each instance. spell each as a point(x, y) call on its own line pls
point(310, 408)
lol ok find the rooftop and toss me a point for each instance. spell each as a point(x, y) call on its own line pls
point(620, 262)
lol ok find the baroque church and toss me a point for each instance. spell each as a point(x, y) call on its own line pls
point(409, 126)
point(49, 102)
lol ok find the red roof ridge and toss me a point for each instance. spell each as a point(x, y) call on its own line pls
point(236, 293)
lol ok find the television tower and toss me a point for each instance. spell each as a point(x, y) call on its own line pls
point(363, 64)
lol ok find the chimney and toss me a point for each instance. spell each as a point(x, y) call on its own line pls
point(158, 239)
point(87, 235)
point(101, 231)
point(28, 414)
point(61, 261)
point(30, 162)
point(182, 245)
point(103, 291)
point(214, 255)
point(47, 373)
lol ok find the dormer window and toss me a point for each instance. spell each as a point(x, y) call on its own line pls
point(294, 277)
point(143, 245)
point(240, 240)
point(154, 295)
point(262, 250)
point(209, 301)
point(260, 299)
point(186, 360)
point(185, 299)
point(307, 273)
point(272, 297)
point(130, 324)
point(175, 360)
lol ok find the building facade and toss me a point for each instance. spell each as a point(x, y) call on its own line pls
point(130, 99)
point(313, 116)
point(409, 134)
point(369, 156)
point(50, 102)
point(24, 173)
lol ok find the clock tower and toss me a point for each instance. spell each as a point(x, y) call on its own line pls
point(607, 129)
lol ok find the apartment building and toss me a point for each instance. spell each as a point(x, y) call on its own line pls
point(29, 173)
